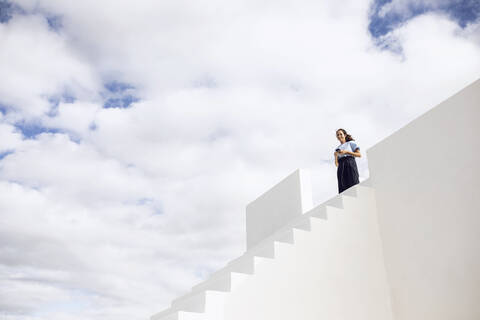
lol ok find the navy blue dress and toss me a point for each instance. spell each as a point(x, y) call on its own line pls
point(347, 171)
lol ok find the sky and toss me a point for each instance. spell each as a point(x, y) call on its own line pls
point(133, 136)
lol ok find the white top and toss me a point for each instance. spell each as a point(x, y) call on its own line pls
point(349, 146)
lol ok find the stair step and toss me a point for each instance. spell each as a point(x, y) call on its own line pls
point(193, 302)
point(281, 248)
point(300, 234)
point(303, 223)
point(184, 315)
point(365, 190)
point(243, 264)
point(285, 236)
point(179, 315)
point(367, 183)
point(336, 202)
point(351, 192)
point(262, 263)
point(221, 282)
point(219, 274)
point(362, 194)
point(265, 250)
point(318, 212)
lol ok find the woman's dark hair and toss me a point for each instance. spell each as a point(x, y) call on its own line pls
point(347, 136)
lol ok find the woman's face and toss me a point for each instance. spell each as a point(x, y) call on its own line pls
point(341, 136)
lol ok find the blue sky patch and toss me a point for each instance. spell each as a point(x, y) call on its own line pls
point(56, 100)
point(119, 95)
point(32, 129)
point(116, 86)
point(463, 12)
point(3, 109)
point(6, 11)
point(123, 102)
point(3, 154)
point(55, 22)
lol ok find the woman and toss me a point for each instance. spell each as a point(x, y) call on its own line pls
point(347, 171)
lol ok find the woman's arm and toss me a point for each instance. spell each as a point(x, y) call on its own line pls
point(335, 155)
point(355, 154)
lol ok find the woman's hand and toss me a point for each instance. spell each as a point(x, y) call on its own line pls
point(355, 154)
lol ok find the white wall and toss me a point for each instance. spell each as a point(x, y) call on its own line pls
point(427, 182)
point(335, 271)
point(279, 205)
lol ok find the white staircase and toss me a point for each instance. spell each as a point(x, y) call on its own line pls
point(207, 300)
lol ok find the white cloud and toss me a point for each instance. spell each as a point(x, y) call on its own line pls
point(233, 98)
point(76, 117)
point(37, 64)
point(10, 138)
